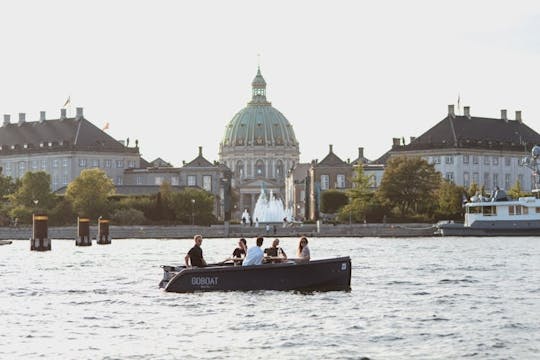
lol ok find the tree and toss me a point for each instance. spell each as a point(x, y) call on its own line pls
point(516, 192)
point(450, 201)
point(409, 185)
point(34, 193)
point(7, 186)
point(193, 205)
point(333, 200)
point(361, 198)
point(89, 193)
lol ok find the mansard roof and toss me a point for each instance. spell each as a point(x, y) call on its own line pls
point(51, 135)
point(475, 132)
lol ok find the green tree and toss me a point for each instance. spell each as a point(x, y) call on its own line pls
point(409, 185)
point(333, 200)
point(193, 205)
point(34, 193)
point(516, 191)
point(7, 186)
point(450, 201)
point(89, 193)
point(361, 198)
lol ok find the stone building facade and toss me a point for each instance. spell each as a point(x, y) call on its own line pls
point(466, 149)
point(62, 147)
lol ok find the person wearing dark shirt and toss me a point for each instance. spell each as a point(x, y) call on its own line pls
point(240, 252)
point(275, 251)
point(195, 254)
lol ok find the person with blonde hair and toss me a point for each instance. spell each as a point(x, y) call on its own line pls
point(303, 254)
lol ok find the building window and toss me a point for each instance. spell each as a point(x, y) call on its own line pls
point(450, 176)
point(119, 180)
point(240, 169)
point(259, 168)
point(340, 181)
point(207, 182)
point(43, 164)
point(131, 164)
point(520, 179)
point(325, 182)
point(437, 159)
point(279, 169)
point(495, 181)
point(465, 159)
point(475, 178)
point(55, 163)
point(82, 163)
point(486, 160)
point(507, 181)
point(191, 180)
point(65, 180)
point(495, 160)
point(119, 164)
point(303, 195)
point(466, 179)
point(107, 163)
point(55, 181)
point(158, 180)
point(95, 163)
point(449, 159)
point(175, 181)
point(139, 180)
point(507, 161)
point(475, 159)
point(65, 163)
point(486, 180)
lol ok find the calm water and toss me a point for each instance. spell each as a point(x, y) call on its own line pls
point(416, 298)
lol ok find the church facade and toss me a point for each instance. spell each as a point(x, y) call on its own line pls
point(259, 146)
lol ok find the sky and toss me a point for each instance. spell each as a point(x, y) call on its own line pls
point(172, 74)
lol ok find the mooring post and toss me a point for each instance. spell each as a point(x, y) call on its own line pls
point(40, 240)
point(103, 232)
point(83, 232)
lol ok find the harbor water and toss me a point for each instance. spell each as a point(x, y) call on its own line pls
point(423, 298)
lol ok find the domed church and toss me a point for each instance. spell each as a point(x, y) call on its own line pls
point(259, 146)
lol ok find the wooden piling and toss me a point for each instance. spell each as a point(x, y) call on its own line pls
point(103, 232)
point(40, 240)
point(83, 232)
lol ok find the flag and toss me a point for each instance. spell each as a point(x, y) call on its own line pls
point(106, 126)
point(68, 101)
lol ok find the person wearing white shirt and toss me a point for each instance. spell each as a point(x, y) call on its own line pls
point(254, 254)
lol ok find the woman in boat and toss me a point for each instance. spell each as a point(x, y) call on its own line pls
point(303, 250)
point(241, 250)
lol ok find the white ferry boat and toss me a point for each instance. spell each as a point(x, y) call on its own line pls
point(499, 215)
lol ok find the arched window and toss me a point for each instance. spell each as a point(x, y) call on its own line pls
point(240, 169)
point(279, 169)
point(260, 171)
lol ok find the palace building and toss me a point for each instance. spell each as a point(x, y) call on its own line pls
point(260, 147)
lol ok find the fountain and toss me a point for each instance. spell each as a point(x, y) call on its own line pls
point(270, 209)
point(245, 215)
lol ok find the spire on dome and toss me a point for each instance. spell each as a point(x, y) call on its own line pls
point(258, 86)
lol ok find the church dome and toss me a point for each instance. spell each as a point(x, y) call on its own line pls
point(259, 124)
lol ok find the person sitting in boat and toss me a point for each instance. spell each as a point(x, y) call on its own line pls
point(194, 257)
point(254, 254)
point(303, 250)
point(240, 251)
point(275, 251)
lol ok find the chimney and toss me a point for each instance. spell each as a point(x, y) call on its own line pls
point(451, 111)
point(79, 113)
point(63, 115)
point(467, 111)
point(22, 118)
point(360, 153)
point(396, 141)
point(518, 116)
point(200, 150)
point(330, 148)
point(7, 119)
point(503, 115)
point(41, 116)
point(348, 160)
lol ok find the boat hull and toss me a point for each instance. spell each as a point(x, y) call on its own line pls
point(499, 228)
point(317, 275)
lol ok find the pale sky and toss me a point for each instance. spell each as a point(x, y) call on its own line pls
point(351, 73)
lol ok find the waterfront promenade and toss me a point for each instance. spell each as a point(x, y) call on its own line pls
point(232, 231)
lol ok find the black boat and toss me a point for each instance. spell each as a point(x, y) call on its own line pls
point(316, 275)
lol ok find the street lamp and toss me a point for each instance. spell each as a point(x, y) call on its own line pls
point(192, 211)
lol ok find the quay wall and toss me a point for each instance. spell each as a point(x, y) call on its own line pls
point(232, 231)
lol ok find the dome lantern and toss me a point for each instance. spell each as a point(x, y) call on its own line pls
point(258, 86)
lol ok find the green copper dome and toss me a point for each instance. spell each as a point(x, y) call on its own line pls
point(259, 124)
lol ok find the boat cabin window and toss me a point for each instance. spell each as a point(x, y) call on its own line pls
point(474, 210)
point(525, 210)
point(489, 210)
point(538, 210)
point(519, 210)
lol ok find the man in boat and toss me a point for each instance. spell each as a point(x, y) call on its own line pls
point(255, 254)
point(275, 251)
point(195, 255)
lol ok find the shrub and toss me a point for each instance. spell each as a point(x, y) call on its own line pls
point(128, 217)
